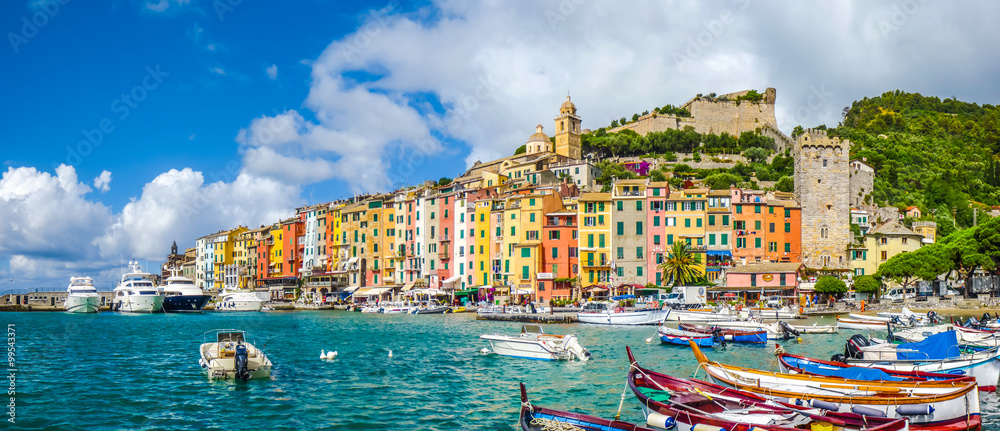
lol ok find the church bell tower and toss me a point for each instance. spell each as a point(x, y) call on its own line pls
point(568, 131)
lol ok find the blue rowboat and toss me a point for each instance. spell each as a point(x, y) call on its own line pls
point(758, 336)
point(681, 338)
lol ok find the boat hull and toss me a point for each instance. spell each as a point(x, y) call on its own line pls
point(681, 338)
point(185, 303)
point(138, 304)
point(238, 305)
point(645, 317)
point(526, 349)
point(83, 304)
point(985, 367)
point(861, 324)
point(757, 336)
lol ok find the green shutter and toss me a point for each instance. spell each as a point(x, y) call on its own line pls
point(590, 240)
point(687, 222)
point(670, 239)
point(725, 220)
point(600, 220)
point(711, 220)
point(724, 239)
point(620, 205)
point(621, 228)
point(756, 242)
point(656, 221)
point(697, 222)
point(524, 273)
point(525, 252)
point(555, 252)
point(788, 247)
point(711, 239)
point(638, 228)
point(601, 240)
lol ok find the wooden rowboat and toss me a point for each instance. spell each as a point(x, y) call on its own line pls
point(796, 364)
point(938, 405)
point(689, 402)
point(676, 336)
point(534, 418)
point(733, 335)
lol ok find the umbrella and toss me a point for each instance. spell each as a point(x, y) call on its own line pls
point(620, 297)
point(729, 295)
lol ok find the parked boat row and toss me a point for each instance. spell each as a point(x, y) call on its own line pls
point(137, 293)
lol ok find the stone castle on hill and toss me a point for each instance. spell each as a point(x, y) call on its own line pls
point(718, 115)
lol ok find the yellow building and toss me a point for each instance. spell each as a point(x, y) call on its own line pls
point(480, 255)
point(245, 258)
point(594, 215)
point(224, 246)
point(880, 245)
point(275, 266)
point(387, 241)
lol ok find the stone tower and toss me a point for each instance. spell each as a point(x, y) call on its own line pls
point(568, 131)
point(822, 187)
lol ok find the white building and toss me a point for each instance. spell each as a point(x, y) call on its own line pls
point(582, 173)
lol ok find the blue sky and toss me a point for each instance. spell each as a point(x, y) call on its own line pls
point(214, 118)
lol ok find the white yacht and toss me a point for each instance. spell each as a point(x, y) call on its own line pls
point(182, 295)
point(136, 293)
point(82, 296)
point(238, 301)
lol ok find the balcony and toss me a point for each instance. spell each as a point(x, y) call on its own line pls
point(445, 238)
point(444, 255)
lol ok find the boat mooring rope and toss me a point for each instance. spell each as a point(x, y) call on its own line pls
point(551, 425)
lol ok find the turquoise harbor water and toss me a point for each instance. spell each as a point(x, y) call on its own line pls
point(115, 371)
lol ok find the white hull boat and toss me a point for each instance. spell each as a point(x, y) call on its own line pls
point(82, 297)
point(872, 325)
point(238, 301)
point(939, 353)
point(232, 356)
point(699, 316)
point(532, 343)
point(607, 314)
point(136, 292)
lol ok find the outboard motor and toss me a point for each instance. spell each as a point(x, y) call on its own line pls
point(971, 322)
point(934, 317)
point(985, 319)
point(853, 348)
point(895, 320)
point(240, 359)
point(914, 320)
point(787, 331)
point(838, 358)
point(717, 336)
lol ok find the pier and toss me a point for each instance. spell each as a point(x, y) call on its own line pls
point(530, 317)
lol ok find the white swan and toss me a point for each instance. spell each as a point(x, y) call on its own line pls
point(322, 354)
point(331, 355)
point(390, 353)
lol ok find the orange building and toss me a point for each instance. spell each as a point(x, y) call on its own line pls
point(560, 256)
point(293, 245)
point(749, 211)
point(783, 234)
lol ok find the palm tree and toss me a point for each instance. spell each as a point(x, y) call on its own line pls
point(680, 264)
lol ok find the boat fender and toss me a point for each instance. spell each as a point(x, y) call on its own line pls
point(660, 420)
point(825, 405)
point(706, 427)
point(915, 410)
point(868, 411)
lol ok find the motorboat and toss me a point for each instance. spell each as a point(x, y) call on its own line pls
point(609, 313)
point(774, 313)
point(872, 325)
point(757, 335)
point(532, 343)
point(232, 356)
point(511, 309)
point(926, 404)
point(136, 292)
point(535, 418)
point(939, 353)
point(180, 294)
point(670, 335)
point(397, 307)
point(431, 307)
point(692, 404)
point(82, 296)
point(701, 316)
point(779, 330)
point(238, 301)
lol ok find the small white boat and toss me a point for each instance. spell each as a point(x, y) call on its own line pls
point(778, 330)
point(774, 313)
point(397, 307)
point(82, 297)
point(532, 343)
point(938, 353)
point(238, 301)
point(605, 313)
point(232, 356)
point(136, 292)
point(873, 325)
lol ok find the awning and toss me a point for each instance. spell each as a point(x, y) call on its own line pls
point(434, 292)
point(351, 289)
point(452, 279)
point(407, 287)
point(719, 253)
point(523, 291)
point(372, 291)
point(466, 292)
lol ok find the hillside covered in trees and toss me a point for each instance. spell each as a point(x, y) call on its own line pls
point(942, 156)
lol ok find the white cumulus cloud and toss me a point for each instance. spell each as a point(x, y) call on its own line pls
point(103, 181)
point(272, 72)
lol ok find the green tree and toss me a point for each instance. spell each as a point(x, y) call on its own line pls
point(614, 123)
point(756, 154)
point(830, 285)
point(657, 176)
point(521, 150)
point(866, 284)
point(444, 181)
point(721, 181)
point(798, 130)
point(681, 265)
point(785, 184)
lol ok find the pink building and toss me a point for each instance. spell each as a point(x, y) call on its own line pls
point(656, 237)
point(747, 282)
